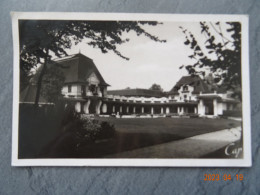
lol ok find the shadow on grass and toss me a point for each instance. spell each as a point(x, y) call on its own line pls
point(63, 146)
point(124, 142)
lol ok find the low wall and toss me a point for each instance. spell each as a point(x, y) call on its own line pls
point(37, 127)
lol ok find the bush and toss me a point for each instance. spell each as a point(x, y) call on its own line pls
point(75, 132)
point(232, 113)
point(88, 130)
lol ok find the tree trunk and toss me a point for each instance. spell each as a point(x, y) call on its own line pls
point(39, 82)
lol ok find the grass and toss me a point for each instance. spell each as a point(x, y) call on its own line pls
point(137, 133)
point(40, 134)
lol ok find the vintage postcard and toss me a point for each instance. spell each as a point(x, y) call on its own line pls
point(99, 89)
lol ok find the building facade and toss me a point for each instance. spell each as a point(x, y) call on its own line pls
point(86, 89)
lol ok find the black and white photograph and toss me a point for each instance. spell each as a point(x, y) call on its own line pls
point(96, 89)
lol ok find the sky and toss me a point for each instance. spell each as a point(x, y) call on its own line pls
point(150, 62)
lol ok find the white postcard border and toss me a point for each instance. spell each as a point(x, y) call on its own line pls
point(245, 162)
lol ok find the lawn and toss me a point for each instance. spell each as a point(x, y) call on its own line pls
point(136, 133)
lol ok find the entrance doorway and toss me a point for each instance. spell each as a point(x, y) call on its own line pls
point(209, 109)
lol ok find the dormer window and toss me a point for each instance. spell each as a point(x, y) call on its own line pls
point(93, 89)
point(185, 88)
point(93, 80)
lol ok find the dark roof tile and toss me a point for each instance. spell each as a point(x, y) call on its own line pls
point(136, 92)
point(78, 68)
point(198, 84)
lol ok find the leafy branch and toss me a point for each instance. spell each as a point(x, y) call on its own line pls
point(220, 55)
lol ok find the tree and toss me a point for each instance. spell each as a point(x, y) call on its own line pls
point(156, 87)
point(42, 39)
point(52, 83)
point(221, 54)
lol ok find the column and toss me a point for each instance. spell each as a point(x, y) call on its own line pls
point(151, 110)
point(161, 110)
point(127, 109)
point(113, 109)
point(86, 107)
point(178, 110)
point(78, 107)
point(167, 110)
point(201, 108)
point(134, 109)
point(215, 107)
point(104, 108)
point(220, 108)
point(142, 110)
point(120, 109)
point(195, 110)
point(99, 102)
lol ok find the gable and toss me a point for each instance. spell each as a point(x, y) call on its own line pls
point(195, 81)
point(93, 79)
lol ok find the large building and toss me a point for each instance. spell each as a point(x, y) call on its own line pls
point(85, 87)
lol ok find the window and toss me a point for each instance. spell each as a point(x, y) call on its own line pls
point(69, 88)
point(93, 89)
point(185, 88)
point(185, 97)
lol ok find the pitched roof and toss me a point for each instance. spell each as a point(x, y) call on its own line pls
point(136, 92)
point(198, 84)
point(77, 68)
